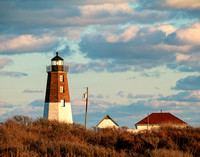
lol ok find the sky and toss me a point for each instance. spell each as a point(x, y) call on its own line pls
point(135, 56)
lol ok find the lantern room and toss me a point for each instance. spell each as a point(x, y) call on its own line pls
point(57, 60)
point(57, 63)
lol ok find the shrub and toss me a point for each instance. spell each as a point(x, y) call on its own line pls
point(21, 136)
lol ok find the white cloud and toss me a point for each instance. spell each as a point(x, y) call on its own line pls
point(165, 27)
point(26, 43)
point(93, 10)
point(4, 62)
point(126, 36)
point(190, 34)
point(172, 48)
point(74, 33)
point(79, 2)
point(12, 74)
point(32, 91)
point(113, 14)
point(183, 97)
point(183, 4)
point(182, 57)
point(171, 4)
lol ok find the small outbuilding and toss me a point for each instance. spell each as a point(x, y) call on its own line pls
point(155, 120)
point(107, 122)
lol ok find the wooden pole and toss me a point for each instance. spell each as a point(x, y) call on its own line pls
point(148, 121)
point(86, 96)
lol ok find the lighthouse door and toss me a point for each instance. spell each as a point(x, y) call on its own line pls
point(62, 103)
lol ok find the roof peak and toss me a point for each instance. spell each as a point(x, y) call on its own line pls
point(161, 118)
point(57, 57)
point(108, 117)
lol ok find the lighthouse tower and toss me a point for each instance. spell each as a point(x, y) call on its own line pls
point(57, 101)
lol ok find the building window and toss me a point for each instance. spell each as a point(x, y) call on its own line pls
point(62, 103)
point(61, 89)
point(61, 78)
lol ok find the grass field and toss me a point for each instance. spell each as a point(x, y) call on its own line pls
point(22, 136)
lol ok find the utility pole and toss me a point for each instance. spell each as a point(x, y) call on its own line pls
point(148, 121)
point(86, 98)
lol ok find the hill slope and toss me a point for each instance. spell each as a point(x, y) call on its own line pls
point(21, 136)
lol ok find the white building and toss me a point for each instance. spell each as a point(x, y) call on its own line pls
point(107, 122)
point(155, 120)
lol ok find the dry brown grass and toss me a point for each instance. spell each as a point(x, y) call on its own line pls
point(21, 136)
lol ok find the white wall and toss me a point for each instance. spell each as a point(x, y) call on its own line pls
point(143, 127)
point(54, 111)
point(65, 113)
point(107, 123)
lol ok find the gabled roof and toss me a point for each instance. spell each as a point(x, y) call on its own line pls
point(108, 117)
point(161, 118)
point(56, 58)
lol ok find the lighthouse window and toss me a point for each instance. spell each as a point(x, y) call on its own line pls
point(61, 89)
point(61, 78)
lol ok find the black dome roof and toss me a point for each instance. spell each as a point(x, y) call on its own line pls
point(56, 58)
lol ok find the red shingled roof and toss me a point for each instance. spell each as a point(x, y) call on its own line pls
point(161, 118)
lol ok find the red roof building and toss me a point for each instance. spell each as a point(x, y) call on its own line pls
point(160, 119)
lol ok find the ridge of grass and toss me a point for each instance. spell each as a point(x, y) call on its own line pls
point(22, 136)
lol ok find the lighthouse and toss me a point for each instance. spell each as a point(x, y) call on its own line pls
point(57, 100)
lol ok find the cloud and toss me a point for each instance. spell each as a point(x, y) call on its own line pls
point(4, 62)
point(74, 33)
point(151, 74)
point(189, 96)
point(120, 94)
point(32, 91)
point(105, 9)
point(13, 74)
point(145, 50)
point(37, 14)
point(98, 66)
point(182, 57)
point(109, 14)
point(107, 1)
point(126, 36)
point(139, 96)
point(171, 4)
point(165, 27)
point(187, 62)
point(51, 17)
point(188, 83)
point(33, 109)
point(37, 103)
point(189, 34)
point(149, 47)
point(95, 106)
point(5, 105)
point(179, 4)
point(100, 96)
point(26, 43)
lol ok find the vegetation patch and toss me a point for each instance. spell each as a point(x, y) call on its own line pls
point(22, 136)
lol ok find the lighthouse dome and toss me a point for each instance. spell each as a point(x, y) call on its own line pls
point(57, 58)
